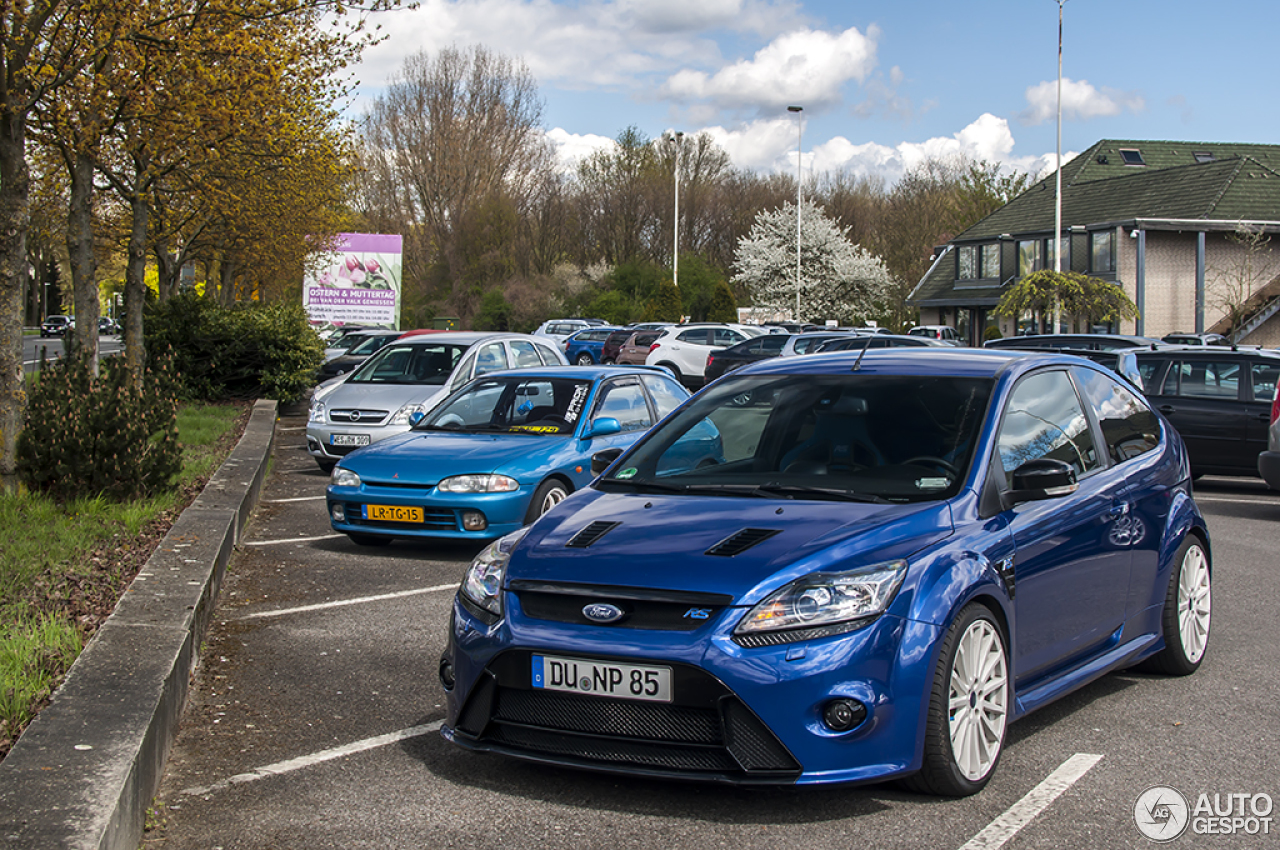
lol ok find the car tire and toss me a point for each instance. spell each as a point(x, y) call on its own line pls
point(1188, 609)
point(961, 750)
point(369, 540)
point(549, 494)
point(584, 359)
point(326, 466)
point(674, 370)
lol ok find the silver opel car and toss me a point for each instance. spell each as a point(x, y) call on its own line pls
point(406, 377)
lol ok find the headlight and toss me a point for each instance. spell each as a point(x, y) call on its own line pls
point(401, 416)
point(822, 604)
point(344, 478)
point(478, 484)
point(317, 412)
point(482, 585)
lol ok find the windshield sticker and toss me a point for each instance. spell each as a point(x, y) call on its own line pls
point(575, 404)
point(536, 429)
point(627, 473)
point(932, 483)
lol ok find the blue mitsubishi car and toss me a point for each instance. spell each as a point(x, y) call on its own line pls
point(500, 452)
point(896, 554)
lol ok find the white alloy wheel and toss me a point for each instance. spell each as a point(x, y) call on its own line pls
point(1195, 604)
point(978, 699)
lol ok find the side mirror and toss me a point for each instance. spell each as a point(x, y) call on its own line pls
point(602, 427)
point(1042, 478)
point(600, 460)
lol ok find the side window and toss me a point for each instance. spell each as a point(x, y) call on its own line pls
point(1043, 419)
point(463, 373)
point(1264, 380)
point(1129, 427)
point(1150, 371)
point(548, 355)
point(1203, 379)
point(624, 401)
point(490, 359)
point(666, 393)
point(524, 354)
point(726, 336)
point(697, 336)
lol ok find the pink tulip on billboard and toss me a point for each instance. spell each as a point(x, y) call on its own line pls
point(371, 266)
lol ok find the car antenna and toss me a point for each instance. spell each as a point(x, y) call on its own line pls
point(857, 363)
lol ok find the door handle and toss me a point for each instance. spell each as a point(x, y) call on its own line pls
point(1166, 409)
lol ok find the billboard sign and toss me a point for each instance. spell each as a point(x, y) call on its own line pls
point(359, 283)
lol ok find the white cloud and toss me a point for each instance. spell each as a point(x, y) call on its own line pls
point(571, 148)
point(1080, 100)
point(804, 67)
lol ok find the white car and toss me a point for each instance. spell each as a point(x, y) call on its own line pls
point(683, 349)
point(406, 377)
point(561, 329)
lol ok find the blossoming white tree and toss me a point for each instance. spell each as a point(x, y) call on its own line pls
point(838, 279)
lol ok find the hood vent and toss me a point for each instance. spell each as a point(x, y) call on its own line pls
point(591, 534)
point(742, 541)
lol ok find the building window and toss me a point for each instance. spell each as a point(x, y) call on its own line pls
point(1132, 157)
point(1030, 256)
point(1051, 248)
point(990, 261)
point(1203, 156)
point(968, 260)
point(1102, 253)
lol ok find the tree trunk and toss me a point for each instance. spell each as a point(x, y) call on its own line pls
point(15, 211)
point(135, 286)
point(84, 278)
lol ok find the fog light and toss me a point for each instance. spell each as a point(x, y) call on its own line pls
point(338, 511)
point(446, 674)
point(841, 715)
point(474, 521)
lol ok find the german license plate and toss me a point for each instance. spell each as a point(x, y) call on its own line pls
point(392, 513)
point(602, 678)
point(348, 439)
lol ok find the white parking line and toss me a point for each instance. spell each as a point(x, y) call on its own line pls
point(297, 499)
point(342, 603)
point(293, 540)
point(317, 758)
point(291, 427)
point(1000, 830)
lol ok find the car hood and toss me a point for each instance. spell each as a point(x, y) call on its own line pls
point(665, 541)
point(389, 397)
point(427, 457)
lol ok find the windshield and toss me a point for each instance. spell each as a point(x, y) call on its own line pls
point(519, 405)
point(895, 438)
point(427, 364)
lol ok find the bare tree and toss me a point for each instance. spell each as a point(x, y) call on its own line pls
point(1248, 267)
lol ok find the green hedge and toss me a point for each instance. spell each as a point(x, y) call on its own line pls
point(246, 351)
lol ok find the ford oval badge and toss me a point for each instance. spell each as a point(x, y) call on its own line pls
point(602, 612)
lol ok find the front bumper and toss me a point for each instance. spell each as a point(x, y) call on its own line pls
point(442, 512)
point(738, 715)
point(1269, 469)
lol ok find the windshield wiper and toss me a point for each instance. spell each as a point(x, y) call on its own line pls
point(828, 492)
point(646, 484)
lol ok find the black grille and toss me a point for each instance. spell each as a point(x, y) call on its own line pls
point(642, 608)
point(591, 534)
point(368, 417)
point(742, 541)
point(706, 730)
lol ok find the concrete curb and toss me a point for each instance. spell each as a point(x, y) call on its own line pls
point(84, 772)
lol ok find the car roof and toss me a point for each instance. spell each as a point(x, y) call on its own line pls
point(1210, 351)
point(590, 373)
point(470, 337)
point(922, 360)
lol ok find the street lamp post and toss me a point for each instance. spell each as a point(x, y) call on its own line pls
point(799, 189)
point(1057, 202)
point(675, 227)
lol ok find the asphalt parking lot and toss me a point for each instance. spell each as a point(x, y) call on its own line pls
point(313, 722)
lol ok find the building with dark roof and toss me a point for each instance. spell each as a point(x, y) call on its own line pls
point(1157, 218)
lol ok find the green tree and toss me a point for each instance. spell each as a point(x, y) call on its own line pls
point(1085, 299)
point(665, 305)
point(723, 306)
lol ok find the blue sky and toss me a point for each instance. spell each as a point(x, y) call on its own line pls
point(883, 84)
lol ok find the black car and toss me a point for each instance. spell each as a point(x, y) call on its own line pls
point(55, 326)
point(1219, 400)
point(742, 353)
point(1079, 342)
point(357, 354)
point(877, 340)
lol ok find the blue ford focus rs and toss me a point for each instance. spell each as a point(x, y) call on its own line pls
point(500, 452)
point(897, 554)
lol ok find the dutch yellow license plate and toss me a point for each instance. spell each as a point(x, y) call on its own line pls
point(393, 513)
